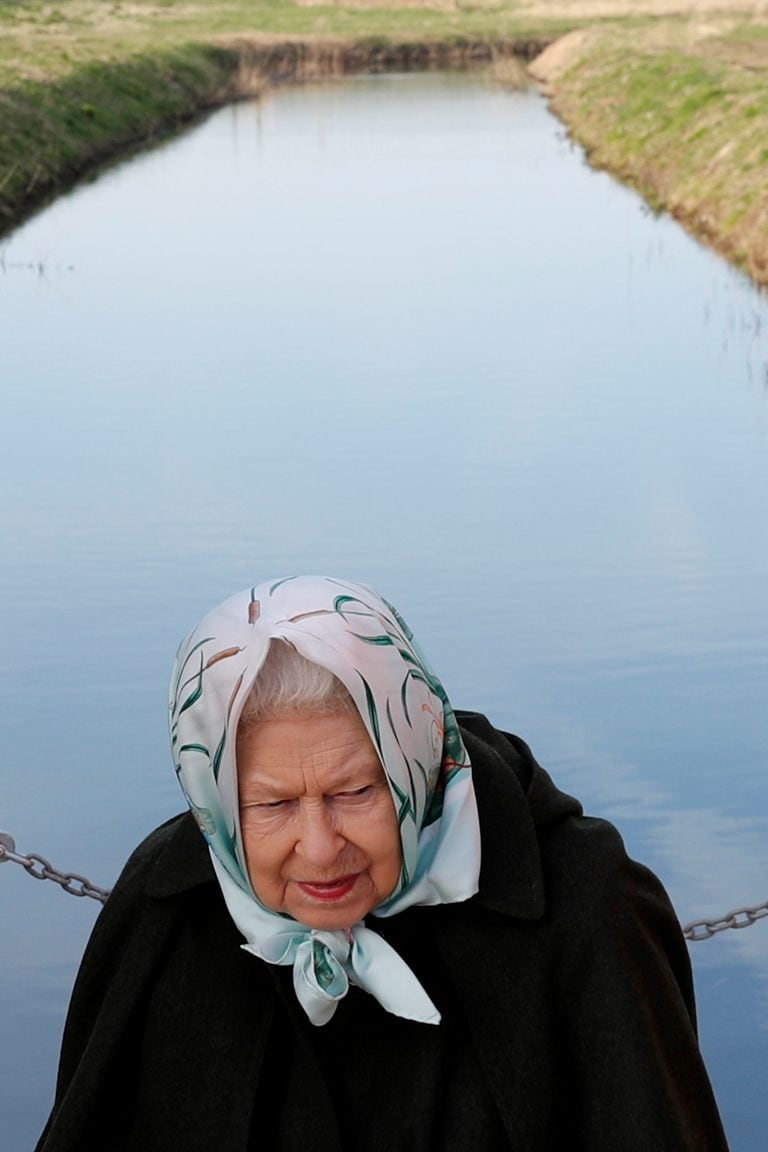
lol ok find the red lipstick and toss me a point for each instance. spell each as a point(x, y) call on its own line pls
point(331, 890)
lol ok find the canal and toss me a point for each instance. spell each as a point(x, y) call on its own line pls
point(392, 328)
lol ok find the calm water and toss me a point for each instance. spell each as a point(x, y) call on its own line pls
point(393, 329)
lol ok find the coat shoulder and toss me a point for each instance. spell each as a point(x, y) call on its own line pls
point(573, 869)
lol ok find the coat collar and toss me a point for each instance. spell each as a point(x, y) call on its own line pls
point(511, 881)
point(183, 862)
point(516, 801)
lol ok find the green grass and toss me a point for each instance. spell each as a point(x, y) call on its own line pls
point(39, 36)
point(52, 133)
point(750, 33)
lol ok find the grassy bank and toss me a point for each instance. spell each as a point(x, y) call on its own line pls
point(672, 103)
point(684, 118)
point(53, 132)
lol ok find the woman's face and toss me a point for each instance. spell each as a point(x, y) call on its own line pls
point(319, 826)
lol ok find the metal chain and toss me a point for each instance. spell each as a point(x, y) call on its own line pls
point(42, 869)
point(77, 885)
point(739, 918)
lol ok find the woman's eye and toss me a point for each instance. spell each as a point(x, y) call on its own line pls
point(351, 792)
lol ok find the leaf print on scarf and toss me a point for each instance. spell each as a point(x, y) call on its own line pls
point(197, 677)
point(372, 712)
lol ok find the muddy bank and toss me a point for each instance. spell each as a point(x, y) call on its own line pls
point(284, 63)
point(58, 132)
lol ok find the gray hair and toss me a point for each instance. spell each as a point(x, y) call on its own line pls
point(290, 685)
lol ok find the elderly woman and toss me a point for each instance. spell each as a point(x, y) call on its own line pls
point(394, 933)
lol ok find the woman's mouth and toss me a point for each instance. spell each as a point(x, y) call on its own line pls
point(329, 890)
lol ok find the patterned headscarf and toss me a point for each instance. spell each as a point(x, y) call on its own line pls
point(351, 631)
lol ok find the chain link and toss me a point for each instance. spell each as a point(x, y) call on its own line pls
point(42, 869)
point(739, 918)
point(77, 885)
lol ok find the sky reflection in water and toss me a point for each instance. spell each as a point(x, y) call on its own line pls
point(393, 329)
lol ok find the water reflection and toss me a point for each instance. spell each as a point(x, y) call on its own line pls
point(392, 328)
point(683, 842)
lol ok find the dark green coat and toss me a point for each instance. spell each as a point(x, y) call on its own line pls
point(569, 964)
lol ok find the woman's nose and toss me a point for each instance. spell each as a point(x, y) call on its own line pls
point(319, 842)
